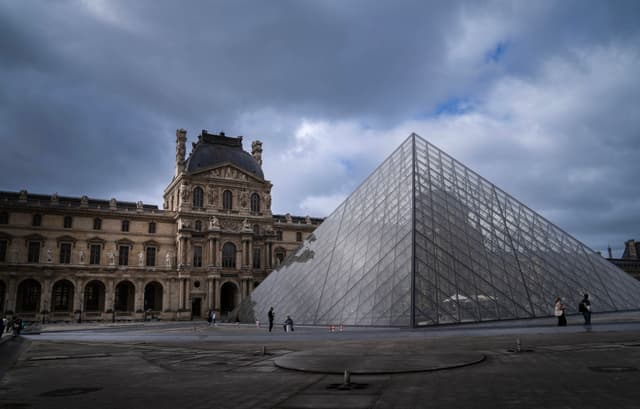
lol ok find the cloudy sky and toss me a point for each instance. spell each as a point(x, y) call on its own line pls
point(542, 98)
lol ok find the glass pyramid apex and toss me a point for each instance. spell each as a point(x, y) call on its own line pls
point(424, 240)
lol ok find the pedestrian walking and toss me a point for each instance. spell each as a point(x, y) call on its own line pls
point(213, 317)
point(559, 311)
point(585, 308)
point(17, 326)
point(210, 317)
point(271, 315)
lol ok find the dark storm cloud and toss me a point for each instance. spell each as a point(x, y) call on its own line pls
point(91, 93)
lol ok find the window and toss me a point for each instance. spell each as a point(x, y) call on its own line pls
point(67, 222)
point(125, 225)
point(3, 250)
point(198, 225)
point(62, 296)
point(255, 202)
point(197, 256)
point(280, 255)
point(256, 229)
point(65, 253)
point(123, 255)
point(227, 200)
point(37, 220)
point(152, 227)
point(4, 218)
point(97, 224)
point(228, 255)
point(279, 235)
point(151, 256)
point(34, 252)
point(198, 197)
point(298, 236)
point(94, 257)
point(256, 257)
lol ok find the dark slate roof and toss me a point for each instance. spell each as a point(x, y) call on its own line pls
point(212, 150)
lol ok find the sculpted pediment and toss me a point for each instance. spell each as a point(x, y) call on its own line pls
point(230, 172)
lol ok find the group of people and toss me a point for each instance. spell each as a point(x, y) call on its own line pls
point(14, 325)
point(287, 326)
point(211, 317)
point(584, 307)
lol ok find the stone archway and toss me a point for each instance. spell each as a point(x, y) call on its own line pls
point(125, 297)
point(94, 297)
point(28, 297)
point(153, 296)
point(228, 295)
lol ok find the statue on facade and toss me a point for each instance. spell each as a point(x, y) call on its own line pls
point(111, 258)
point(256, 151)
point(113, 203)
point(307, 220)
point(212, 196)
point(54, 198)
point(184, 193)
point(141, 259)
point(288, 218)
point(167, 259)
point(23, 195)
point(244, 198)
point(246, 226)
point(81, 256)
point(49, 255)
point(214, 223)
point(267, 200)
point(139, 205)
point(84, 201)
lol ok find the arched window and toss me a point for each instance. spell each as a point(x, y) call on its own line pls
point(227, 200)
point(62, 293)
point(255, 202)
point(228, 255)
point(198, 197)
point(198, 225)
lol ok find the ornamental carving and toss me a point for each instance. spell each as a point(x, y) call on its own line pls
point(230, 225)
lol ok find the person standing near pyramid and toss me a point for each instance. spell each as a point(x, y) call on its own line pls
point(585, 308)
point(559, 311)
point(270, 315)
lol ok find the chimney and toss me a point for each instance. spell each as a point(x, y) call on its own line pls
point(181, 140)
point(630, 250)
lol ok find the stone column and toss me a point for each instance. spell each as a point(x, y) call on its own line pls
point(180, 293)
point(268, 259)
point(12, 294)
point(79, 295)
point(45, 296)
point(216, 285)
point(210, 293)
point(250, 261)
point(138, 300)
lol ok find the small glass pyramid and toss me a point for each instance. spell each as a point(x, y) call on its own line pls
point(425, 241)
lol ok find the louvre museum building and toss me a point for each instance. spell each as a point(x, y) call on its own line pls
point(214, 240)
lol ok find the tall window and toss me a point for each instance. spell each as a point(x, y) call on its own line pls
point(3, 250)
point(67, 222)
point(198, 197)
point(197, 256)
point(198, 225)
point(256, 229)
point(298, 236)
point(255, 202)
point(94, 257)
point(279, 235)
point(125, 225)
point(256, 257)
point(62, 296)
point(151, 256)
point(34, 252)
point(65, 253)
point(228, 255)
point(227, 200)
point(123, 255)
point(4, 218)
point(97, 223)
point(152, 227)
point(37, 220)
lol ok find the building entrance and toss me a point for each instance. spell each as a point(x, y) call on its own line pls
point(195, 307)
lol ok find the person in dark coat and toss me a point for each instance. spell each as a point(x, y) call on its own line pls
point(271, 315)
point(585, 308)
point(288, 324)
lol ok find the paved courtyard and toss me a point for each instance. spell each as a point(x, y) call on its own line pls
point(192, 365)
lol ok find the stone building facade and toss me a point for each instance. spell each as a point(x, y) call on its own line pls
point(630, 260)
point(214, 241)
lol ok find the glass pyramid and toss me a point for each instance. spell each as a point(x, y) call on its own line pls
point(425, 241)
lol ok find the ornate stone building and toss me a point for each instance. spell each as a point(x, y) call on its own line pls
point(630, 260)
point(214, 241)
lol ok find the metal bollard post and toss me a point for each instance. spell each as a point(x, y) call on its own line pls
point(518, 346)
point(347, 377)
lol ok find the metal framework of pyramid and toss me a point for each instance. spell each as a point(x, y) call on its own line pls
point(424, 240)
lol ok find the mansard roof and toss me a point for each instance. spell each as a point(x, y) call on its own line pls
point(214, 150)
